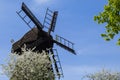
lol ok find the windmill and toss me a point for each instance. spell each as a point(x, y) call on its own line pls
point(41, 39)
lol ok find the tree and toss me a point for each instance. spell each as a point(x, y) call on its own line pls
point(111, 17)
point(29, 66)
point(104, 75)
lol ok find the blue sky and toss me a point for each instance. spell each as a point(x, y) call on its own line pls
point(75, 22)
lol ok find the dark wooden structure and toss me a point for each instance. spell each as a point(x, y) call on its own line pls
point(34, 38)
point(39, 38)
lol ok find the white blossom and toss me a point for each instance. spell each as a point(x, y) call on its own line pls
point(29, 66)
point(104, 75)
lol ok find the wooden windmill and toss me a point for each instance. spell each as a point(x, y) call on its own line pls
point(41, 39)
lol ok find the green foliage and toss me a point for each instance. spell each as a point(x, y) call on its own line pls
point(28, 66)
point(103, 75)
point(111, 17)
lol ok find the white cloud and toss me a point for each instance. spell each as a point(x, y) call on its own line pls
point(41, 1)
point(86, 69)
point(79, 70)
point(98, 49)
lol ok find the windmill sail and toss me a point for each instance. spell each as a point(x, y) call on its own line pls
point(65, 44)
point(53, 21)
point(50, 20)
point(57, 68)
point(31, 16)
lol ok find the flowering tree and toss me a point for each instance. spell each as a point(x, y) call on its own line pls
point(104, 75)
point(29, 66)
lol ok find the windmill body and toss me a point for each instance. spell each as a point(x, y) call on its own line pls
point(40, 40)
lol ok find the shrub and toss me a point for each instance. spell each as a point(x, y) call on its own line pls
point(29, 66)
point(104, 75)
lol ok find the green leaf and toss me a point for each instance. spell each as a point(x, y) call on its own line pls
point(111, 36)
point(107, 39)
point(103, 35)
point(118, 43)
